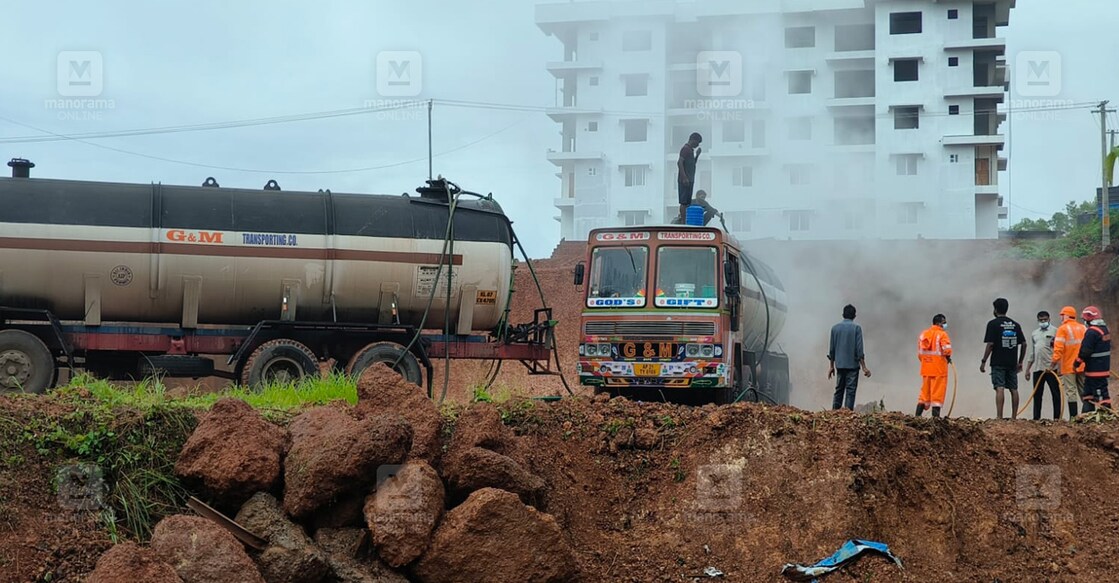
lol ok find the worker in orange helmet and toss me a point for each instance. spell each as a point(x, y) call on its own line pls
point(1095, 353)
point(1066, 351)
point(934, 350)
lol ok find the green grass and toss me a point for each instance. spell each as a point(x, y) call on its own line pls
point(1081, 241)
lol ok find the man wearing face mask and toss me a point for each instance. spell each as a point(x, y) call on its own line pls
point(1095, 353)
point(934, 350)
point(1066, 353)
point(1041, 352)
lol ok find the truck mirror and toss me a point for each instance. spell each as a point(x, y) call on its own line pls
point(580, 269)
point(730, 275)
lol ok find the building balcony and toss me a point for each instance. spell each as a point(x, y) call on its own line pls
point(866, 56)
point(564, 202)
point(559, 158)
point(732, 150)
point(974, 140)
point(855, 148)
point(973, 44)
point(560, 69)
point(559, 114)
point(851, 102)
point(987, 189)
point(992, 91)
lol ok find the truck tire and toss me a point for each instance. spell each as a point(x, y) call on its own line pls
point(281, 360)
point(388, 353)
point(26, 364)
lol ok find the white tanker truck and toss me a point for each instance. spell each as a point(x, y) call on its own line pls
point(127, 280)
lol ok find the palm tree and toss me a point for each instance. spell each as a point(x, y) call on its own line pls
point(1109, 166)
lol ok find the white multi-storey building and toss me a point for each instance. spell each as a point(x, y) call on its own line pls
point(821, 119)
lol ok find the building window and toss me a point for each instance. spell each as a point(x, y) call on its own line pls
point(905, 23)
point(800, 82)
point(953, 61)
point(636, 85)
point(953, 110)
point(632, 218)
point(637, 40)
point(636, 130)
point(743, 176)
point(854, 37)
point(908, 213)
point(907, 164)
point(851, 84)
point(905, 70)
point(734, 131)
point(594, 81)
point(740, 221)
point(592, 126)
point(592, 171)
point(799, 174)
point(594, 36)
point(757, 133)
point(853, 220)
point(854, 131)
point(907, 118)
point(953, 158)
point(953, 14)
point(800, 128)
point(635, 175)
point(800, 221)
point(800, 37)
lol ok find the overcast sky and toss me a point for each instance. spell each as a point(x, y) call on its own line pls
point(209, 61)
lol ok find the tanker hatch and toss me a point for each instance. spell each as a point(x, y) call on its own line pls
point(438, 189)
point(21, 168)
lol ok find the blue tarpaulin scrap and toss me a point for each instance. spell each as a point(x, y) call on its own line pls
point(850, 551)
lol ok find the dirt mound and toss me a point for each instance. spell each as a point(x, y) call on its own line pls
point(475, 468)
point(202, 552)
point(382, 391)
point(290, 557)
point(403, 513)
point(131, 562)
point(480, 425)
point(349, 559)
point(233, 453)
point(332, 454)
point(493, 537)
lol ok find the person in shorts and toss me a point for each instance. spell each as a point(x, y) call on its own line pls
point(685, 177)
point(1006, 348)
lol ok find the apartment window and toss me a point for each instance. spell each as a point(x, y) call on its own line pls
point(905, 70)
point(800, 128)
point(637, 40)
point(907, 118)
point(953, 158)
point(800, 37)
point(800, 221)
point(908, 213)
point(740, 221)
point(905, 23)
point(594, 81)
point(592, 171)
point(632, 218)
point(636, 85)
point(592, 126)
point(734, 131)
point(800, 82)
point(594, 36)
point(635, 175)
point(743, 177)
point(953, 61)
point(953, 110)
point(757, 133)
point(853, 220)
point(907, 164)
point(854, 37)
point(953, 14)
point(799, 174)
point(850, 84)
point(854, 131)
point(636, 130)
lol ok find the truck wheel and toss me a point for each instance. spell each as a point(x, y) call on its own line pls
point(26, 364)
point(388, 353)
point(279, 361)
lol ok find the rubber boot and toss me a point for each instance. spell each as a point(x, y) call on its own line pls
point(1072, 410)
point(936, 411)
point(1089, 406)
point(920, 410)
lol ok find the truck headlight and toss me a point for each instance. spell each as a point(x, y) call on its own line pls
point(707, 351)
point(692, 350)
point(592, 350)
point(605, 350)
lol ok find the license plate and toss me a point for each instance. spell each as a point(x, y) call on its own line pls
point(647, 370)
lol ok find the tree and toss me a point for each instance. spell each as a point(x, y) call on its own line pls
point(1032, 225)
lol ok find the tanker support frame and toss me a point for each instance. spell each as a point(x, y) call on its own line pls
point(35, 345)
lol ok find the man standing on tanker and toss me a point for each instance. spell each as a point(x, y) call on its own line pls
point(685, 177)
point(1004, 337)
point(934, 350)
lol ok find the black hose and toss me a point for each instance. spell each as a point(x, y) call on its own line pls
point(765, 343)
point(543, 304)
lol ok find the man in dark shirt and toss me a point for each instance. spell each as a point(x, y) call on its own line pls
point(685, 177)
point(708, 211)
point(1004, 338)
point(845, 353)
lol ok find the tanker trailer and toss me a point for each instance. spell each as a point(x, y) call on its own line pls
point(126, 280)
point(680, 313)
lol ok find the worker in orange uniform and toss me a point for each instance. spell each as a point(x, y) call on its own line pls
point(1066, 349)
point(1095, 353)
point(934, 350)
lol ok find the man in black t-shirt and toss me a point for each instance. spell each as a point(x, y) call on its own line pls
point(1004, 338)
point(685, 175)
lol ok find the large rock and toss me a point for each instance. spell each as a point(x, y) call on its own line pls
point(493, 537)
point(233, 453)
point(350, 561)
point(333, 455)
point(344, 512)
point(403, 512)
point(475, 468)
point(481, 426)
point(290, 557)
point(202, 552)
point(381, 390)
point(129, 561)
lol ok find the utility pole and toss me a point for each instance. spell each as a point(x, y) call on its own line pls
point(1105, 199)
point(1111, 142)
point(429, 102)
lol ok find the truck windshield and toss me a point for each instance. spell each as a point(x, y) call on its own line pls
point(617, 277)
point(686, 277)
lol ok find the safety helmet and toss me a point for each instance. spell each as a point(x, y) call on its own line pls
point(1069, 311)
point(1091, 313)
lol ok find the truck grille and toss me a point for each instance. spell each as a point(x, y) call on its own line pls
point(646, 328)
